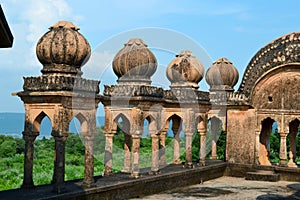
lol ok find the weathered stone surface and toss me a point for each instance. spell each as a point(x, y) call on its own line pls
point(185, 70)
point(222, 75)
point(63, 49)
point(280, 52)
point(60, 83)
point(240, 137)
point(135, 63)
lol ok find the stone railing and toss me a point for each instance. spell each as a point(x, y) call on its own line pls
point(186, 95)
point(60, 83)
point(132, 91)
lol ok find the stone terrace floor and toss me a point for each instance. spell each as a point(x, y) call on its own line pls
point(221, 188)
point(227, 188)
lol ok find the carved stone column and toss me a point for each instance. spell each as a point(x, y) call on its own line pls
point(257, 147)
point(127, 154)
point(283, 151)
point(162, 148)
point(59, 164)
point(28, 160)
point(88, 180)
point(214, 132)
point(155, 155)
point(176, 159)
point(108, 170)
point(202, 155)
point(188, 149)
point(135, 156)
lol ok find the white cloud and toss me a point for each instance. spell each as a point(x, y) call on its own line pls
point(30, 20)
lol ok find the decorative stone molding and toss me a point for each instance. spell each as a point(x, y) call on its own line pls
point(237, 98)
point(60, 83)
point(186, 95)
point(282, 51)
point(132, 91)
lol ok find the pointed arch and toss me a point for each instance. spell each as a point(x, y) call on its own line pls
point(37, 121)
point(125, 126)
point(83, 122)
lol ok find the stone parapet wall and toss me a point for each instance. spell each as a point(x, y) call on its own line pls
point(60, 83)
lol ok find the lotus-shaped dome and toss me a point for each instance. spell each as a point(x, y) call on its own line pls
point(135, 63)
point(63, 49)
point(185, 70)
point(222, 75)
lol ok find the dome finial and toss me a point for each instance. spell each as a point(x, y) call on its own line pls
point(63, 50)
point(134, 63)
point(222, 75)
point(185, 70)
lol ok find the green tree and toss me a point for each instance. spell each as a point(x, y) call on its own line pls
point(8, 148)
point(221, 146)
point(20, 145)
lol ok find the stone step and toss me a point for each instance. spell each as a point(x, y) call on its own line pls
point(262, 175)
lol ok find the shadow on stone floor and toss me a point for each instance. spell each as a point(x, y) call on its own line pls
point(202, 192)
point(295, 196)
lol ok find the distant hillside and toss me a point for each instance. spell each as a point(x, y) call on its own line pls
point(13, 124)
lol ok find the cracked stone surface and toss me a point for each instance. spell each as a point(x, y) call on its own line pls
point(227, 188)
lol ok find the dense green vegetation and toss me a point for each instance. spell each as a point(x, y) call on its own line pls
point(12, 155)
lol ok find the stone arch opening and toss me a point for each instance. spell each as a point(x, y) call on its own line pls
point(38, 120)
point(43, 149)
point(75, 148)
point(122, 143)
point(146, 143)
point(269, 142)
point(196, 143)
point(175, 127)
point(215, 129)
point(292, 141)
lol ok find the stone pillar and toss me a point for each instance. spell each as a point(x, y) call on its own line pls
point(135, 156)
point(162, 148)
point(28, 160)
point(108, 155)
point(257, 147)
point(188, 150)
point(155, 154)
point(88, 180)
point(202, 154)
point(214, 132)
point(291, 162)
point(127, 153)
point(283, 151)
point(59, 164)
point(176, 159)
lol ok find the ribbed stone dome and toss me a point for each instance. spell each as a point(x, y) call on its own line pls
point(63, 50)
point(185, 70)
point(222, 75)
point(135, 63)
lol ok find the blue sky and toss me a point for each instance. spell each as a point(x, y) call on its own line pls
point(232, 29)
